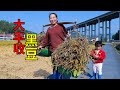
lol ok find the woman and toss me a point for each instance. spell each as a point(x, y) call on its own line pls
point(55, 36)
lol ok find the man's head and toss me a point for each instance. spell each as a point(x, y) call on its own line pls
point(98, 45)
point(53, 18)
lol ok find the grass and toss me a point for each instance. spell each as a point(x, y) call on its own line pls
point(7, 47)
point(116, 46)
point(118, 51)
point(92, 46)
point(11, 42)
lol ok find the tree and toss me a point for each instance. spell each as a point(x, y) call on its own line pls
point(8, 27)
point(116, 36)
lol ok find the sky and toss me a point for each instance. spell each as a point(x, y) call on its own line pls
point(34, 20)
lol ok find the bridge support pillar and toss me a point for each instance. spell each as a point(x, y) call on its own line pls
point(91, 31)
point(108, 34)
point(85, 30)
point(82, 31)
point(102, 30)
point(95, 30)
point(109, 30)
point(98, 27)
point(119, 25)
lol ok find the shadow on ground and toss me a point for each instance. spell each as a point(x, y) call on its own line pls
point(47, 75)
point(88, 74)
point(41, 72)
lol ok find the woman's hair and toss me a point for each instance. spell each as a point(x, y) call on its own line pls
point(59, 24)
point(52, 13)
point(98, 43)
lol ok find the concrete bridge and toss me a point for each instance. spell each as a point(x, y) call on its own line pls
point(88, 28)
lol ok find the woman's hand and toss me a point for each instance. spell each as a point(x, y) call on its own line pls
point(39, 47)
point(68, 35)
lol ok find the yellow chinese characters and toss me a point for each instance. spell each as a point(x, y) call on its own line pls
point(31, 47)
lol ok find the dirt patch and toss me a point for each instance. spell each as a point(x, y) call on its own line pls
point(4, 75)
point(16, 67)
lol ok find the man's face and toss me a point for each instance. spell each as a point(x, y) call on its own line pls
point(53, 19)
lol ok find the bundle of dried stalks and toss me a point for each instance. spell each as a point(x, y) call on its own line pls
point(72, 56)
point(40, 38)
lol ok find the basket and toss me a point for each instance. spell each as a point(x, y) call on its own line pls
point(44, 52)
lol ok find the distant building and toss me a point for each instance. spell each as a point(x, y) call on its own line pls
point(96, 39)
point(6, 36)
